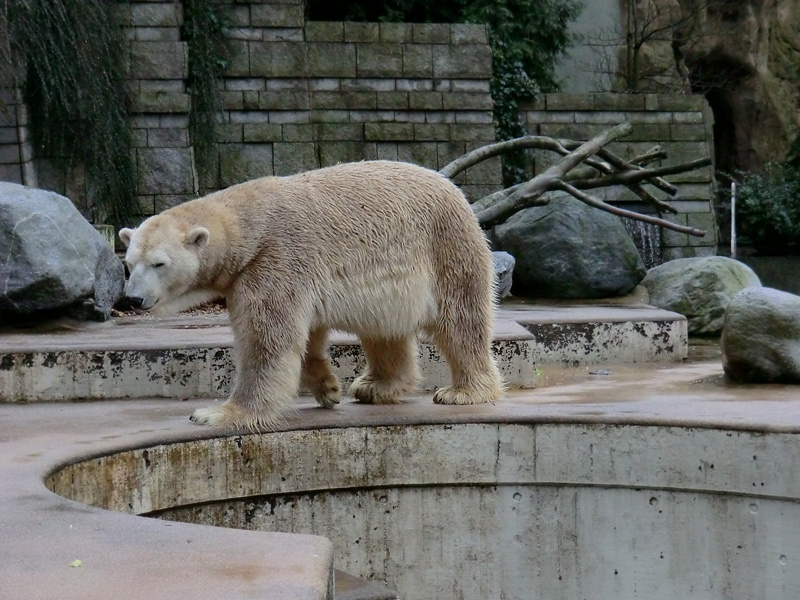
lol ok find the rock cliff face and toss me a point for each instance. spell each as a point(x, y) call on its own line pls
point(744, 55)
point(748, 65)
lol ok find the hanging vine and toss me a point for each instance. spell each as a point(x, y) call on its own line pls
point(203, 32)
point(74, 89)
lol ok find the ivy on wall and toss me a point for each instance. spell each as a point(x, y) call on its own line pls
point(203, 32)
point(73, 81)
point(527, 38)
point(74, 88)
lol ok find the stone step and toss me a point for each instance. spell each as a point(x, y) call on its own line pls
point(191, 356)
point(590, 334)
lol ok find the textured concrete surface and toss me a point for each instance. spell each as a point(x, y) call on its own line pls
point(127, 556)
point(616, 428)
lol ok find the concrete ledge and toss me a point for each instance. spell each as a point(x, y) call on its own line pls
point(181, 357)
point(579, 334)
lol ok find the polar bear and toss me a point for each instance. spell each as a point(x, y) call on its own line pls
point(382, 249)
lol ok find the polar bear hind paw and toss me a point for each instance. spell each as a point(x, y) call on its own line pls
point(369, 391)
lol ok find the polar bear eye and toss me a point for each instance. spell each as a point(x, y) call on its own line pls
point(157, 265)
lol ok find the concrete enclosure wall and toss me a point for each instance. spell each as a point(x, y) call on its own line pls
point(298, 95)
point(493, 510)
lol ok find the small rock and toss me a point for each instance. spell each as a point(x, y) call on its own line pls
point(699, 288)
point(503, 272)
point(761, 337)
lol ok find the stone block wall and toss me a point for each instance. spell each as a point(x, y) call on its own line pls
point(16, 150)
point(682, 125)
point(298, 95)
point(158, 64)
point(304, 95)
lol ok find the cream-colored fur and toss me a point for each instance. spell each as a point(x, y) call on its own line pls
point(381, 249)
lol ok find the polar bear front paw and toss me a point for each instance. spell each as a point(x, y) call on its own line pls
point(231, 414)
point(327, 392)
point(213, 416)
point(453, 395)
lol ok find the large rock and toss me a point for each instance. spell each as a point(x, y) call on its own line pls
point(699, 288)
point(761, 337)
point(568, 249)
point(54, 263)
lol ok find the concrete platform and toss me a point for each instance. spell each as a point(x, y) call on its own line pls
point(600, 434)
point(663, 419)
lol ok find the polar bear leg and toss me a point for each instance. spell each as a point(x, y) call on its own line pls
point(391, 370)
point(475, 376)
point(266, 385)
point(317, 376)
point(270, 336)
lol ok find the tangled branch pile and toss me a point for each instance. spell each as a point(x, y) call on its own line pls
point(602, 168)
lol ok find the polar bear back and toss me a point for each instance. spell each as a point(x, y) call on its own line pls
point(379, 244)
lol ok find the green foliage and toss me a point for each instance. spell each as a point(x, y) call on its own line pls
point(768, 208)
point(510, 84)
point(202, 30)
point(533, 33)
point(76, 95)
point(527, 37)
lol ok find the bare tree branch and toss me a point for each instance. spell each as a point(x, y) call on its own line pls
point(624, 165)
point(602, 168)
point(485, 152)
point(529, 194)
point(638, 175)
point(597, 203)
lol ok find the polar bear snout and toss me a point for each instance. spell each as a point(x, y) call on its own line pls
point(139, 303)
point(134, 301)
point(141, 290)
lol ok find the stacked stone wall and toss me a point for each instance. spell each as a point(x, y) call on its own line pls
point(304, 95)
point(298, 95)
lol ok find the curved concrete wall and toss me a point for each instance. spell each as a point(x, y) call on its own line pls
point(490, 510)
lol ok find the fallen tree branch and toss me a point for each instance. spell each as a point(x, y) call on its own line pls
point(639, 175)
point(602, 168)
point(485, 152)
point(620, 164)
point(628, 214)
point(529, 193)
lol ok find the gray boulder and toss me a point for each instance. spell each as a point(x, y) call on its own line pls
point(699, 288)
point(54, 263)
point(503, 272)
point(567, 249)
point(761, 337)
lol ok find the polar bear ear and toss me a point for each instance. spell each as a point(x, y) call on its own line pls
point(125, 235)
point(198, 237)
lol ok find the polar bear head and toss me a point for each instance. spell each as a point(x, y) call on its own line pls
point(164, 258)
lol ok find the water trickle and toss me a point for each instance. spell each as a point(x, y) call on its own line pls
point(647, 238)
